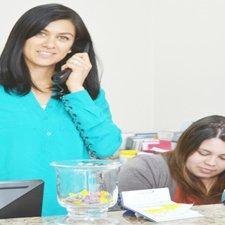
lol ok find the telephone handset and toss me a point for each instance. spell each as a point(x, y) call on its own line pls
point(61, 77)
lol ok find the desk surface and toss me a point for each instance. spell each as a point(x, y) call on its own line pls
point(213, 214)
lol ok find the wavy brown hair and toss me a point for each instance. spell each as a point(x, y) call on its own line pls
point(201, 130)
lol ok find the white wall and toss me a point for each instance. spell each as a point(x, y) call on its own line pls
point(189, 59)
point(120, 31)
point(163, 59)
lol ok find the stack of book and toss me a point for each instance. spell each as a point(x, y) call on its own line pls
point(153, 142)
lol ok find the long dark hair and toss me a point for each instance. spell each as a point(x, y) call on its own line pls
point(14, 73)
point(201, 130)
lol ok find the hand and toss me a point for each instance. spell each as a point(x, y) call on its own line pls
point(80, 65)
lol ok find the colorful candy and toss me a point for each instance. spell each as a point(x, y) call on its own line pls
point(86, 197)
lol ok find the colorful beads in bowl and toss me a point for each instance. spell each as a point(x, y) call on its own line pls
point(86, 197)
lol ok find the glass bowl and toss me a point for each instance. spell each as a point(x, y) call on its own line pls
point(87, 188)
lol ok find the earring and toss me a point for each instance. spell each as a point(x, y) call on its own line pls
point(69, 52)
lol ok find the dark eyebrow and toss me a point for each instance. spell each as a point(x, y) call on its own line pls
point(204, 149)
point(66, 34)
point(209, 151)
point(63, 33)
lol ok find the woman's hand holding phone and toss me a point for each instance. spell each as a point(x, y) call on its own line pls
point(80, 65)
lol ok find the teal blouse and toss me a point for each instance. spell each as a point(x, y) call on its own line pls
point(32, 137)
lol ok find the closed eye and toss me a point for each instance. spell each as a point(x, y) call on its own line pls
point(222, 157)
point(203, 152)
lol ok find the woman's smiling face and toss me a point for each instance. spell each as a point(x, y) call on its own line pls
point(50, 45)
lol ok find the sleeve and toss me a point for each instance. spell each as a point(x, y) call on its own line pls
point(95, 120)
point(144, 172)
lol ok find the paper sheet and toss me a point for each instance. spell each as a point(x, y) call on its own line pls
point(156, 205)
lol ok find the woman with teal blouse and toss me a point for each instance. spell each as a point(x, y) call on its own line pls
point(35, 127)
